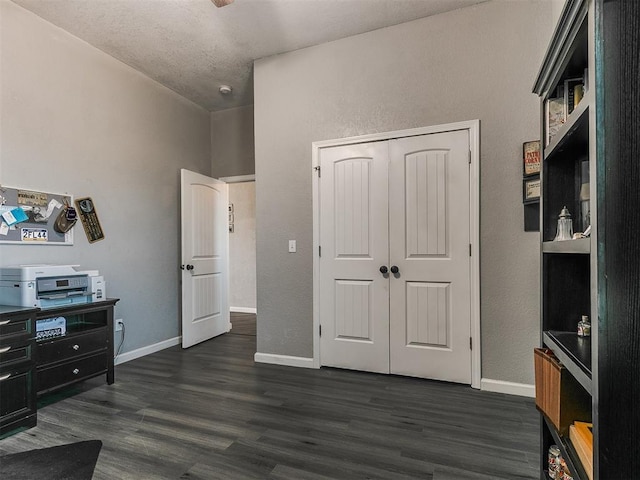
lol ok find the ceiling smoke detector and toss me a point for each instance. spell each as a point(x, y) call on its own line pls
point(225, 89)
point(221, 3)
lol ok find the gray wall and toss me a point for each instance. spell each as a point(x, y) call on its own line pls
point(242, 246)
point(475, 63)
point(75, 120)
point(232, 146)
point(556, 9)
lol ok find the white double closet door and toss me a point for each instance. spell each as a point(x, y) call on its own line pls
point(401, 206)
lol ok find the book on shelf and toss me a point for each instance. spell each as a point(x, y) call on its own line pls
point(581, 436)
point(585, 433)
point(556, 117)
point(573, 93)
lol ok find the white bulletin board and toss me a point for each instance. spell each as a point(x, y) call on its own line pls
point(41, 210)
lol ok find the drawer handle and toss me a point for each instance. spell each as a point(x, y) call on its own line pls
point(5, 349)
point(5, 377)
point(76, 371)
point(76, 347)
point(4, 322)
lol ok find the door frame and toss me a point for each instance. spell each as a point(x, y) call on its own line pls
point(473, 127)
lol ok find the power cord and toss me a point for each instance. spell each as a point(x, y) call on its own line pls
point(121, 341)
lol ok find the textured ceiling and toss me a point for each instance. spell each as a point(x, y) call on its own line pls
point(192, 47)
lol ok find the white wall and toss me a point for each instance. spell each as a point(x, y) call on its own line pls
point(475, 63)
point(76, 120)
point(242, 246)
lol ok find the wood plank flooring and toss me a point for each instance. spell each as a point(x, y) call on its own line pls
point(209, 412)
point(243, 323)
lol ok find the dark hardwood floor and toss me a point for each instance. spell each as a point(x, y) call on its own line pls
point(243, 323)
point(209, 412)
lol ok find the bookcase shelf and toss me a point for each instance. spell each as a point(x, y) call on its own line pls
point(574, 132)
point(590, 165)
point(580, 246)
point(574, 353)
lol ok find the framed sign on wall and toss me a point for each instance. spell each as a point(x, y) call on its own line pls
point(89, 219)
point(531, 189)
point(531, 158)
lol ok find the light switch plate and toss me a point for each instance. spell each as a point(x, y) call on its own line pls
point(292, 246)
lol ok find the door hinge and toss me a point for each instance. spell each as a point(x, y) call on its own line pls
point(470, 343)
point(320, 329)
point(317, 169)
point(319, 251)
point(469, 157)
point(469, 249)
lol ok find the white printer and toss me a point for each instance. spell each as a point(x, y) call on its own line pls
point(48, 286)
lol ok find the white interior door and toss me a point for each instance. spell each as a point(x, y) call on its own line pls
point(402, 204)
point(205, 258)
point(354, 295)
point(429, 244)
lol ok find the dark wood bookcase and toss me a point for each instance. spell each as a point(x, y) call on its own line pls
point(598, 145)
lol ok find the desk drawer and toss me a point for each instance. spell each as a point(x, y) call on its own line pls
point(61, 349)
point(14, 328)
point(15, 354)
point(71, 372)
point(17, 395)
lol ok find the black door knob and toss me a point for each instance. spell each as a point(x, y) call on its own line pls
point(383, 269)
point(189, 267)
point(394, 269)
point(181, 267)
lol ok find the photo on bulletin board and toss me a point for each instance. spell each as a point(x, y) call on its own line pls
point(32, 217)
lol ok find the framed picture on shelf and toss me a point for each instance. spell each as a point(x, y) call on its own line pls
point(531, 158)
point(531, 189)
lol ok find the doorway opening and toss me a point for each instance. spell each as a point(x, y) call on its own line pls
point(242, 253)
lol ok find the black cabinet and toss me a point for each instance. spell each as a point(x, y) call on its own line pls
point(85, 351)
point(17, 368)
point(30, 367)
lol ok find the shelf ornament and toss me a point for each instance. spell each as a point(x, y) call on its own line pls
point(565, 226)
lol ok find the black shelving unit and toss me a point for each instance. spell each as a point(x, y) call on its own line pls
point(597, 276)
point(567, 275)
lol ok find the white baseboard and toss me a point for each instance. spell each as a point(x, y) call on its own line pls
point(511, 388)
point(148, 350)
point(243, 309)
point(287, 360)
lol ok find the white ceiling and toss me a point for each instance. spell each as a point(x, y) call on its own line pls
point(192, 47)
